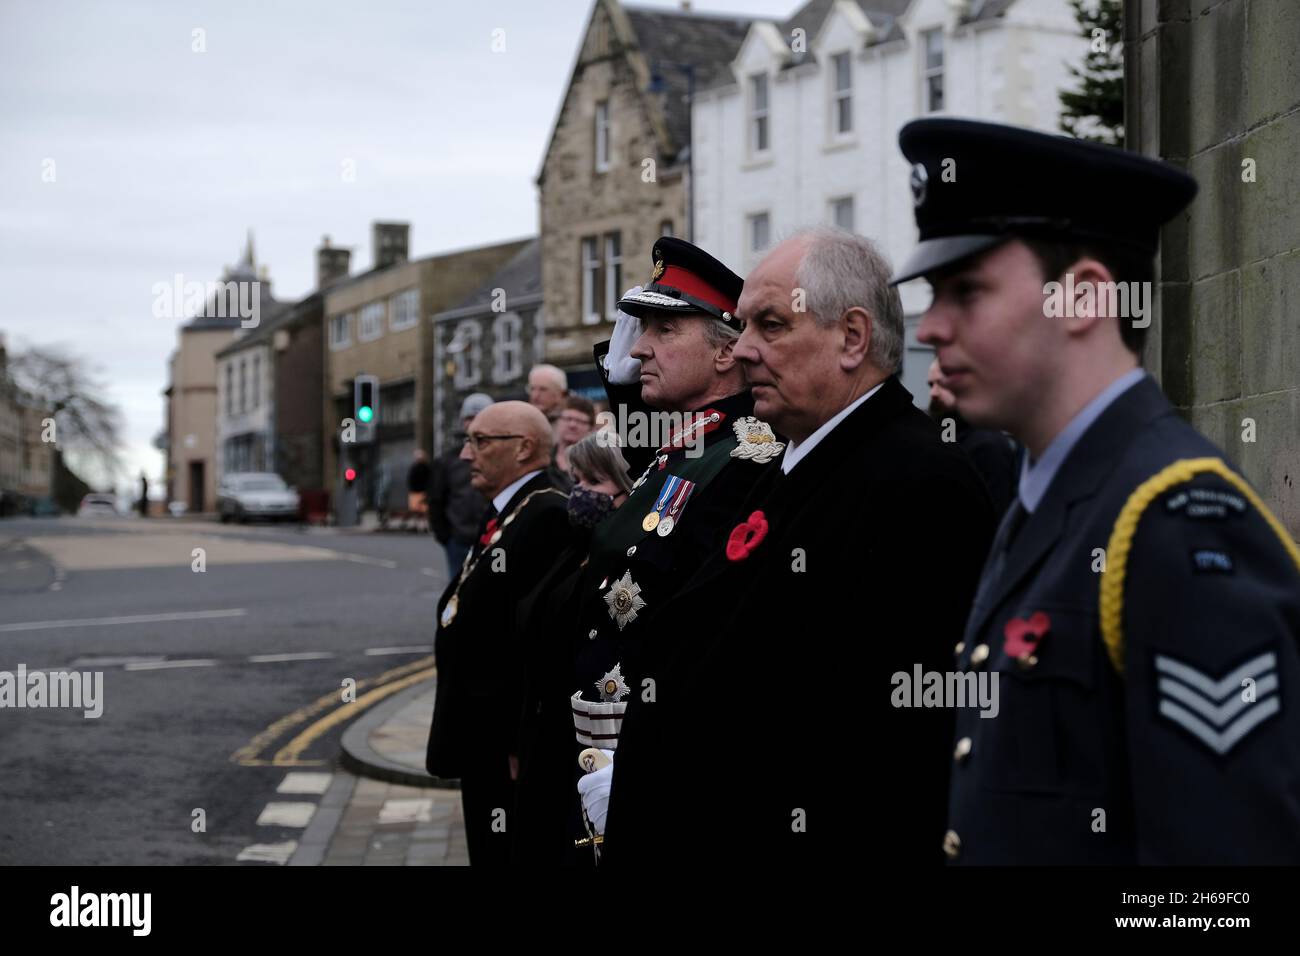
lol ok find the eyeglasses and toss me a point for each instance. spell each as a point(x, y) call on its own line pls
point(474, 441)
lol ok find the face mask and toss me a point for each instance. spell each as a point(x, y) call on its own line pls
point(587, 507)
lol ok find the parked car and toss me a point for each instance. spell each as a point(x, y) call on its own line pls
point(45, 508)
point(97, 506)
point(245, 495)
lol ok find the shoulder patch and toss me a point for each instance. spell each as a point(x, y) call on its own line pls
point(1121, 537)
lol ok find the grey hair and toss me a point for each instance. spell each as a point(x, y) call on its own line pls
point(840, 271)
point(597, 456)
point(555, 374)
point(717, 334)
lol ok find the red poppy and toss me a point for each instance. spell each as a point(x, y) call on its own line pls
point(1024, 634)
point(747, 536)
point(486, 538)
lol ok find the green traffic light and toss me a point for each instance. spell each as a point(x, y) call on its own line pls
point(365, 413)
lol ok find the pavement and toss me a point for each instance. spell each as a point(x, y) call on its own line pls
point(384, 808)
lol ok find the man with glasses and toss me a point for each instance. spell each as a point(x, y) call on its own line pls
point(476, 711)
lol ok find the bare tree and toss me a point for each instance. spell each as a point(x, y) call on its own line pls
point(61, 383)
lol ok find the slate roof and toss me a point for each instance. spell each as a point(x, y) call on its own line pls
point(520, 277)
point(673, 41)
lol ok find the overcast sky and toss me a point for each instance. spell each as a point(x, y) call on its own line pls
point(163, 158)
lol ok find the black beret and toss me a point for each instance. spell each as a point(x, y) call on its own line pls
point(975, 185)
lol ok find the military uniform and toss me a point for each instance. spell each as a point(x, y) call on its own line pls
point(1125, 734)
point(680, 508)
point(1140, 607)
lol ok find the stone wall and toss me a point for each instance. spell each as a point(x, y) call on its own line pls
point(1214, 86)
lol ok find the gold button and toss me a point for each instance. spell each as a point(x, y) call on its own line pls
point(980, 654)
point(962, 750)
point(961, 646)
point(951, 844)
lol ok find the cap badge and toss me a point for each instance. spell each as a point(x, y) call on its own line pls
point(624, 600)
point(920, 179)
point(658, 271)
point(757, 441)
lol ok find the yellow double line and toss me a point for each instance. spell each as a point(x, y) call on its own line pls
point(290, 755)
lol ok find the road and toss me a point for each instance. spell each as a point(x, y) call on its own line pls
point(225, 654)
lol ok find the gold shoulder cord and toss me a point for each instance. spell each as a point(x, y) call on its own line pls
point(467, 568)
point(1121, 539)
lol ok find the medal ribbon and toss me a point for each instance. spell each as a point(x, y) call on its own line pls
point(679, 501)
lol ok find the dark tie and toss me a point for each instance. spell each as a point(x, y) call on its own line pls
point(1012, 522)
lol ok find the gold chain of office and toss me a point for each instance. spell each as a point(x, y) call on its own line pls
point(472, 559)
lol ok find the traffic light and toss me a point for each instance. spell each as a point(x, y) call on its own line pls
point(365, 406)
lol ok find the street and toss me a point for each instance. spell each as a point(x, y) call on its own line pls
point(223, 688)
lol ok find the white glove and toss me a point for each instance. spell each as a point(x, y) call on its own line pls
point(622, 368)
point(594, 789)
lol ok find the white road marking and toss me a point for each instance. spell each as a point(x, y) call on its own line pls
point(126, 619)
point(286, 814)
point(268, 853)
point(299, 782)
point(168, 665)
point(429, 571)
point(277, 658)
point(408, 649)
point(418, 810)
point(364, 559)
point(113, 661)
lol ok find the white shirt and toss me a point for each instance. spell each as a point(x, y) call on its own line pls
point(503, 499)
point(795, 454)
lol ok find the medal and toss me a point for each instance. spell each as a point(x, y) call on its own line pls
point(624, 600)
point(676, 501)
point(650, 521)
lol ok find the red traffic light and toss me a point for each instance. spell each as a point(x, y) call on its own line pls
point(350, 474)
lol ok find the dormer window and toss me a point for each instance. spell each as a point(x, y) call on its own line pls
point(758, 113)
point(841, 94)
point(932, 71)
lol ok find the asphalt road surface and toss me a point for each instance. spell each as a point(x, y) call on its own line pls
point(225, 654)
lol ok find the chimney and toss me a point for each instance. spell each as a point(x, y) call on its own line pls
point(331, 264)
point(389, 243)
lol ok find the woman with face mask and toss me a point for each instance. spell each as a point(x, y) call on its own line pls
point(544, 795)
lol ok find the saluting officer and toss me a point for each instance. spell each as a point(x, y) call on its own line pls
point(1140, 606)
point(679, 333)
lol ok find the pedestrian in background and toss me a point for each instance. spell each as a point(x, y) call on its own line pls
point(417, 483)
point(547, 388)
point(993, 453)
point(576, 421)
point(455, 507)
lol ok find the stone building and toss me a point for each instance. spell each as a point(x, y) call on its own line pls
point(379, 323)
point(615, 173)
point(488, 342)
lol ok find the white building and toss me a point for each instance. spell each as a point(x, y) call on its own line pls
point(806, 130)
